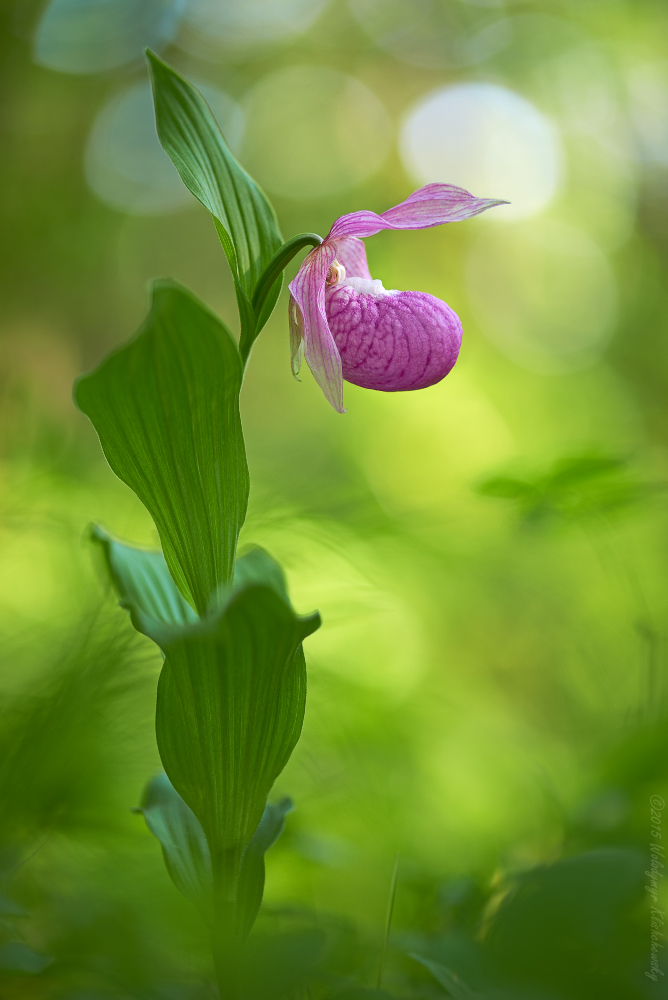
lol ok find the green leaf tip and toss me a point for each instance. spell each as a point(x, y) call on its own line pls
point(157, 608)
point(244, 217)
point(166, 409)
point(144, 584)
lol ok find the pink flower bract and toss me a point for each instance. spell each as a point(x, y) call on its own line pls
point(353, 328)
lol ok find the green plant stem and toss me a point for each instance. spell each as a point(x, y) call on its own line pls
point(281, 259)
point(226, 943)
point(226, 955)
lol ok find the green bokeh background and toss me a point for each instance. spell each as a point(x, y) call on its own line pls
point(488, 689)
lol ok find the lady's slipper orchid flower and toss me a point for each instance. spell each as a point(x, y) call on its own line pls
point(349, 327)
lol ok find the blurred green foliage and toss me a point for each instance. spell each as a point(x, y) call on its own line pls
point(488, 693)
point(576, 488)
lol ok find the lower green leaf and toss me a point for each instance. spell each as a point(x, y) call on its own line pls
point(251, 875)
point(184, 847)
point(144, 584)
point(188, 859)
point(230, 709)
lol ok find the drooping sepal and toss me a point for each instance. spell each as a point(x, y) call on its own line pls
point(321, 353)
point(296, 325)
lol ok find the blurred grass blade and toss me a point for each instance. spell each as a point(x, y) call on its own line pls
point(184, 847)
point(230, 710)
point(388, 919)
point(448, 980)
point(245, 219)
point(251, 878)
point(144, 584)
point(166, 408)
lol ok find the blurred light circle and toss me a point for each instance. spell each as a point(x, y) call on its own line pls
point(544, 294)
point(125, 164)
point(488, 140)
point(648, 91)
point(313, 131)
point(433, 35)
point(90, 36)
point(234, 23)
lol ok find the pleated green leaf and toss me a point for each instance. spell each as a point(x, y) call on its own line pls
point(184, 847)
point(146, 589)
point(230, 710)
point(187, 856)
point(244, 217)
point(251, 877)
point(166, 409)
point(143, 583)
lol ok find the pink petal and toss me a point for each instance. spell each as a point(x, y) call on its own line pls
point(308, 292)
point(351, 252)
point(431, 205)
point(296, 324)
point(394, 341)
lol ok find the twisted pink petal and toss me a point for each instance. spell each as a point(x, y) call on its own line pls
point(431, 205)
point(411, 341)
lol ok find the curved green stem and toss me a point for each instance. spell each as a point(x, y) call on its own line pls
point(264, 286)
point(281, 258)
point(226, 940)
point(254, 314)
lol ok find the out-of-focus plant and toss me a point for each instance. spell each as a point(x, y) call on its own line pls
point(232, 690)
point(575, 488)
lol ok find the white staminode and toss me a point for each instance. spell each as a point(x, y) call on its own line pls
point(369, 286)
